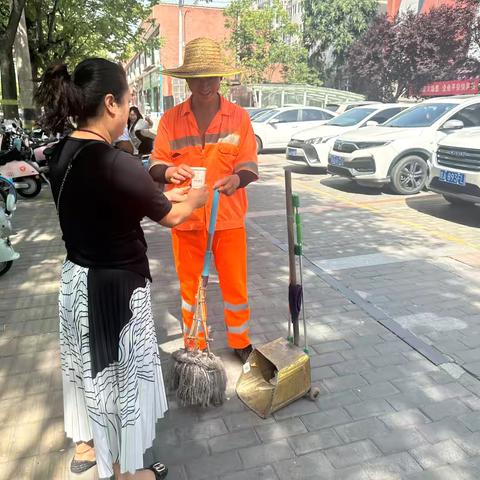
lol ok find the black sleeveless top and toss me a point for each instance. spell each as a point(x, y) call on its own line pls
point(105, 196)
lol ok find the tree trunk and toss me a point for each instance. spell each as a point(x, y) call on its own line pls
point(7, 67)
point(9, 84)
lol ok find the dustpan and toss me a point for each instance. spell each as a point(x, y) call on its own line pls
point(277, 373)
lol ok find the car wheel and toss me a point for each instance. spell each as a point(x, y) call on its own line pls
point(259, 144)
point(409, 175)
point(456, 201)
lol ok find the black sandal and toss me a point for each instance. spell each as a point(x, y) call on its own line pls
point(159, 469)
point(80, 466)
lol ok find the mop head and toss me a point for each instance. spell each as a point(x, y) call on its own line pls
point(198, 378)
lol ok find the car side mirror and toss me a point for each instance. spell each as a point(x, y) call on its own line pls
point(274, 121)
point(371, 123)
point(453, 125)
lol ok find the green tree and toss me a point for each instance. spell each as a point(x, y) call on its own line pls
point(331, 26)
point(70, 30)
point(264, 40)
point(396, 57)
point(9, 19)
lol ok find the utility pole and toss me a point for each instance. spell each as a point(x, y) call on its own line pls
point(180, 32)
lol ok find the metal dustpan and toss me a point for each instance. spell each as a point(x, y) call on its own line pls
point(278, 373)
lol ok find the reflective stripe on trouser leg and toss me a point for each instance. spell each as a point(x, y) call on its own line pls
point(188, 250)
point(237, 321)
point(230, 253)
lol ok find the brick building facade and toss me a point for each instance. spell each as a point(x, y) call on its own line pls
point(153, 92)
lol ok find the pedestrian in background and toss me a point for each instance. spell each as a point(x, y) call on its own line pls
point(112, 379)
point(139, 132)
point(123, 142)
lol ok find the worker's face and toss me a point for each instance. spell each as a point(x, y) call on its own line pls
point(205, 89)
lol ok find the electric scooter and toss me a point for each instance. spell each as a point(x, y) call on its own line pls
point(9, 197)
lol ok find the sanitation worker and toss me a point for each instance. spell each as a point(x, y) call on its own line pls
point(208, 131)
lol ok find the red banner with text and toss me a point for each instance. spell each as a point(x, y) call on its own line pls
point(451, 87)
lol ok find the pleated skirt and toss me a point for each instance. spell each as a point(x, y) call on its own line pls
point(112, 378)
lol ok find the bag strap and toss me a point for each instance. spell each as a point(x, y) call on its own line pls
point(69, 167)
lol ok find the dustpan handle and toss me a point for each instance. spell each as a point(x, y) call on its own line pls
point(211, 230)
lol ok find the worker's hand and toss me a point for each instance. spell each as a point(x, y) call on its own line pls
point(177, 195)
point(198, 197)
point(178, 174)
point(228, 185)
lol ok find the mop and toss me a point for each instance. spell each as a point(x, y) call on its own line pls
point(198, 376)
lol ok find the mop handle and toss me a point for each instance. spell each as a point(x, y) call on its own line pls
point(298, 224)
point(211, 230)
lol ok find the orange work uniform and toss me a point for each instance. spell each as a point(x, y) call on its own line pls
point(229, 147)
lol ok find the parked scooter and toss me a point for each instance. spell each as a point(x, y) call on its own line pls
point(7, 253)
point(17, 163)
point(25, 175)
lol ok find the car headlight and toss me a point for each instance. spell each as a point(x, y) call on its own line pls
point(362, 145)
point(317, 140)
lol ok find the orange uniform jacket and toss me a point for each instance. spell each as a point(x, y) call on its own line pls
point(229, 147)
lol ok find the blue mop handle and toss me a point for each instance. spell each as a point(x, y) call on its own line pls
point(211, 230)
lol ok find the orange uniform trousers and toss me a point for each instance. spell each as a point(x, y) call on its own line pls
point(230, 254)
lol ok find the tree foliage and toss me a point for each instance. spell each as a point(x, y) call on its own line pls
point(70, 30)
point(331, 26)
point(265, 40)
point(412, 50)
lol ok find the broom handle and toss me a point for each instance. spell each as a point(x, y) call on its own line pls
point(211, 230)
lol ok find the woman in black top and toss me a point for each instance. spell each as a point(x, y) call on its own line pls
point(112, 379)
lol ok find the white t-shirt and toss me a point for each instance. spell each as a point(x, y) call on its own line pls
point(141, 124)
point(123, 137)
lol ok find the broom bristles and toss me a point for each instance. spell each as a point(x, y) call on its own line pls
point(198, 378)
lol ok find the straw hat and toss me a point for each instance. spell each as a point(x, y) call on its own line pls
point(203, 58)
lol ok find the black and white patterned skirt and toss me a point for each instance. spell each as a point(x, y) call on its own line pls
point(112, 378)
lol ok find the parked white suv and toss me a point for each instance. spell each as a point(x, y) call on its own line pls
point(312, 146)
point(398, 151)
point(455, 171)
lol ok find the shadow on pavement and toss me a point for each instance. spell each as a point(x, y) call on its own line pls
point(467, 215)
point(349, 186)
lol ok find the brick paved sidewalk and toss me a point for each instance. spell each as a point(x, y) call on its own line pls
point(385, 412)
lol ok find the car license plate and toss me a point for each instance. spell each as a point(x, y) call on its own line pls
point(455, 178)
point(336, 160)
point(294, 152)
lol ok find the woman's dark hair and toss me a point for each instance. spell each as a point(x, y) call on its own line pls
point(134, 109)
point(79, 96)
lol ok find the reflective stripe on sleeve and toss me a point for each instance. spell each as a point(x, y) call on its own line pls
point(250, 166)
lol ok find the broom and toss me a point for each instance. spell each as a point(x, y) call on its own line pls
point(198, 377)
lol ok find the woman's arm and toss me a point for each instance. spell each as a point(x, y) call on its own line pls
point(196, 198)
